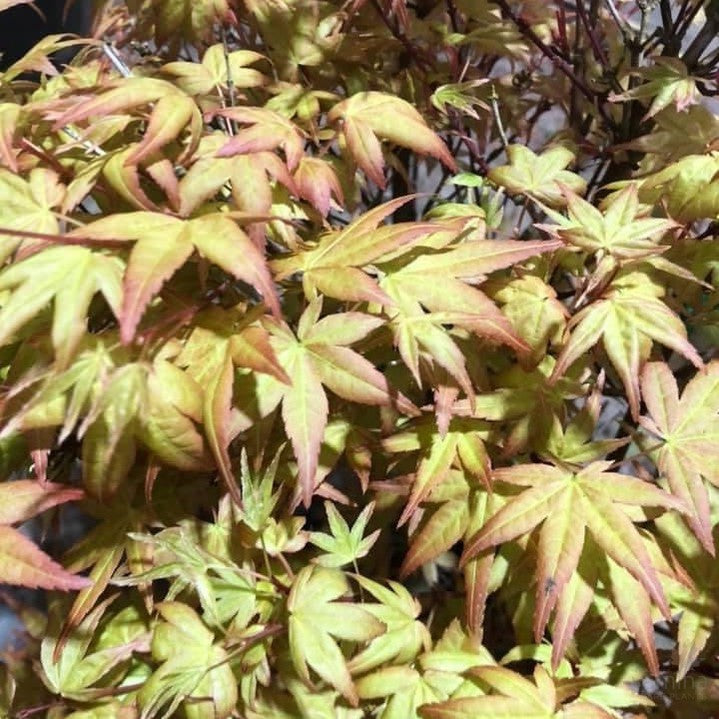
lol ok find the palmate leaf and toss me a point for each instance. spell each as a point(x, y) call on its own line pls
point(172, 113)
point(623, 229)
point(315, 618)
point(163, 244)
point(199, 676)
point(344, 545)
point(67, 276)
point(319, 355)
point(462, 446)
point(538, 176)
point(216, 71)
point(433, 290)
point(689, 428)
point(627, 318)
point(567, 505)
point(28, 205)
point(368, 116)
point(337, 265)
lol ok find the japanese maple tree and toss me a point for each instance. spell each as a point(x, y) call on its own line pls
point(368, 351)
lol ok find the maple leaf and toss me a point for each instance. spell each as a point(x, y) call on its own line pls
point(67, 276)
point(435, 676)
point(538, 176)
point(72, 672)
point(22, 562)
point(315, 618)
point(531, 305)
point(628, 318)
point(321, 355)
point(268, 130)
point(163, 244)
point(623, 230)
point(217, 69)
point(109, 446)
point(317, 182)
point(438, 282)
point(367, 116)
point(200, 672)
point(28, 206)
point(462, 445)
point(689, 429)
point(337, 265)
point(172, 113)
point(668, 81)
point(567, 504)
point(404, 636)
point(526, 400)
point(344, 545)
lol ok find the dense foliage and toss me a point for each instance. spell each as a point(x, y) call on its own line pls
point(372, 343)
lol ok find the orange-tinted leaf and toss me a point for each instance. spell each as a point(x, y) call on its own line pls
point(22, 499)
point(22, 563)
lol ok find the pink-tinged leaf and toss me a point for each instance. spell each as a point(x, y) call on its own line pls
point(163, 173)
point(346, 283)
point(444, 529)
point(268, 130)
point(221, 241)
point(153, 261)
point(629, 490)
point(125, 180)
point(573, 604)
point(304, 412)
point(686, 484)
point(352, 377)
point(445, 396)
point(393, 119)
point(317, 183)
point(171, 114)
point(365, 149)
point(618, 537)
point(23, 564)
point(217, 417)
point(433, 470)
point(171, 106)
point(634, 606)
point(455, 302)
point(251, 348)
point(24, 498)
point(516, 518)
point(560, 546)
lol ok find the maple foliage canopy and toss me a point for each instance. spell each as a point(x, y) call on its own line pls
point(372, 348)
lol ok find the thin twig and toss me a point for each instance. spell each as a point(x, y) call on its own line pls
point(554, 56)
point(117, 62)
point(493, 97)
